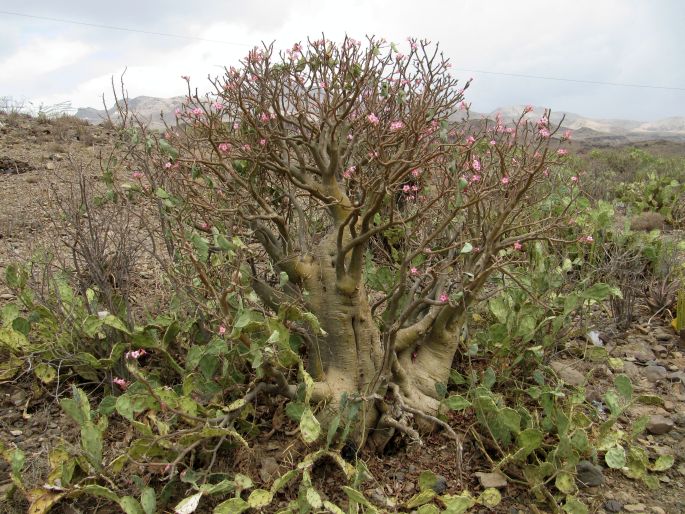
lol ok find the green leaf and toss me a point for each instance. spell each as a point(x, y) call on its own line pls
point(574, 506)
point(130, 505)
point(489, 378)
point(428, 508)
point(427, 480)
point(491, 498)
point(45, 373)
point(615, 457)
point(499, 308)
point(650, 399)
point(188, 505)
point(148, 500)
point(13, 340)
point(313, 498)
point(529, 440)
point(91, 442)
point(232, 506)
point(600, 291)
point(458, 504)
point(565, 482)
point(421, 498)
point(242, 481)
point(332, 508)
point(624, 387)
point(99, 491)
point(639, 426)
point(114, 322)
point(332, 429)
point(283, 480)
point(356, 496)
point(309, 426)
point(259, 498)
point(456, 402)
point(467, 248)
point(663, 462)
point(611, 399)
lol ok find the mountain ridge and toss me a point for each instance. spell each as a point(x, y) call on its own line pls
point(156, 111)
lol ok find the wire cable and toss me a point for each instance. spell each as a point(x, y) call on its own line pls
point(123, 29)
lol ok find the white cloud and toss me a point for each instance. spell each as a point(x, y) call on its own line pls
point(42, 56)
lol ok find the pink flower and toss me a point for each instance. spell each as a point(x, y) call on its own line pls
point(475, 178)
point(587, 239)
point(222, 330)
point(562, 151)
point(123, 384)
point(204, 225)
point(543, 122)
point(137, 174)
point(224, 147)
point(567, 135)
point(493, 142)
point(444, 298)
point(185, 77)
point(414, 271)
point(264, 117)
point(167, 165)
point(373, 119)
point(406, 188)
point(470, 140)
point(246, 148)
point(349, 172)
point(218, 106)
point(135, 354)
point(396, 125)
point(574, 179)
point(236, 125)
point(476, 164)
point(350, 136)
point(262, 142)
point(518, 246)
point(505, 180)
point(399, 57)
point(197, 111)
point(527, 109)
point(416, 173)
point(544, 133)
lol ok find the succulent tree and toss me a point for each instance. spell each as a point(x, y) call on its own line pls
point(366, 197)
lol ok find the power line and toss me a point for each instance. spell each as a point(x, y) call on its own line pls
point(596, 82)
point(123, 29)
point(179, 36)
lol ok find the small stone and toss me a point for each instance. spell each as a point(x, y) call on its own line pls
point(660, 350)
point(662, 335)
point(655, 373)
point(672, 367)
point(657, 510)
point(496, 480)
point(440, 485)
point(269, 469)
point(588, 474)
point(567, 374)
point(6, 296)
point(659, 424)
point(15, 433)
point(50, 166)
point(613, 506)
point(635, 507)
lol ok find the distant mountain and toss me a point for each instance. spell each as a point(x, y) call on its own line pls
point(603, 131)
point(152, 110)
point(586, 130)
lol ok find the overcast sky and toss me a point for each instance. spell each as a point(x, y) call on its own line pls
point(619, 41)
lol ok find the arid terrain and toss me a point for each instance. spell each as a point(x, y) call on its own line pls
point(37, 161)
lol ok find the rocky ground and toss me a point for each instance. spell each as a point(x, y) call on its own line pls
point(33, 162)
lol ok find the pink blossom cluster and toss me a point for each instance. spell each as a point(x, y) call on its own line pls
point(123, 384)
point(135, 354)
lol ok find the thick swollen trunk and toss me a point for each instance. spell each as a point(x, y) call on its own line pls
point(348, 358)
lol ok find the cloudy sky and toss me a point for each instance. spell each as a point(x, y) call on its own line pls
point(617, 41)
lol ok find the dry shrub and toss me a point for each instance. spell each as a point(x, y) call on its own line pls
point(647, 221)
